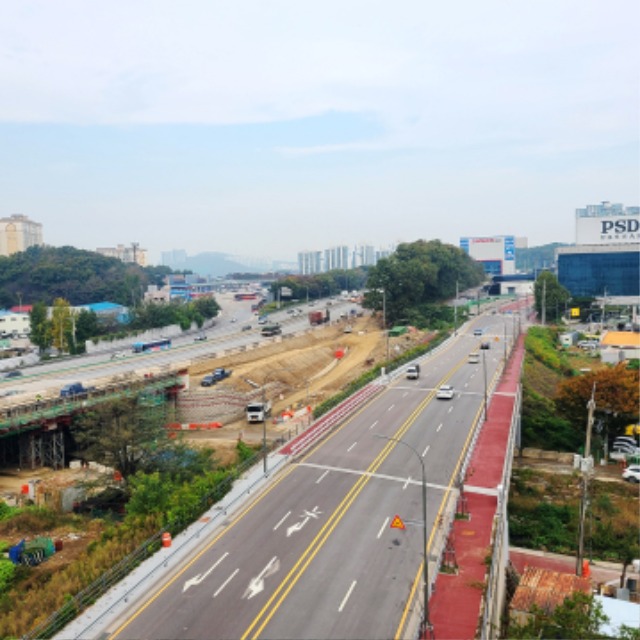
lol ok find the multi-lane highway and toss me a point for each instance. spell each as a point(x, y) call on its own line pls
point(315, 556)
point(47, 377)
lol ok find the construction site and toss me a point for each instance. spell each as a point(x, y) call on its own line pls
point(294, 373)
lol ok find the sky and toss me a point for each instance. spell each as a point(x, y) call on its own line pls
point(268, 127)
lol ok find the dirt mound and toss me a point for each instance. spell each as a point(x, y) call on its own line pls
point(299, 371)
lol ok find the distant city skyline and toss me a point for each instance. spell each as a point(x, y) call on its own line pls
point(266, 129)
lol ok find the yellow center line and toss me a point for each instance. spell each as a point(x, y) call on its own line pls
point(289, 581)
point(443, 502)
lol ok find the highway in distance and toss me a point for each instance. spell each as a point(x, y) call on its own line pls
point(314, 555)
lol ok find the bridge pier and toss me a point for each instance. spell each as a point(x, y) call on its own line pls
point(41, 449)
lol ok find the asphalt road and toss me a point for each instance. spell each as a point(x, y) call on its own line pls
point(314, 556)
point(47, 377)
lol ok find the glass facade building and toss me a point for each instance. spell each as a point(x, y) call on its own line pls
point(612, 270)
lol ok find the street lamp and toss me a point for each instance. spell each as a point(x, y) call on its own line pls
point(425, 625)
point(264, 421)
point(484, 371)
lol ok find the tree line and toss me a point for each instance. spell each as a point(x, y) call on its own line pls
point(410, 285)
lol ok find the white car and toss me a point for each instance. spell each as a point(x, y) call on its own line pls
point(445, 392)
point(632, 473)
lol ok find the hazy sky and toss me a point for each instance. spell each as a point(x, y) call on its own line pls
point(268, 127)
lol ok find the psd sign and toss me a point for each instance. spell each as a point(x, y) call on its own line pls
point(608, 230)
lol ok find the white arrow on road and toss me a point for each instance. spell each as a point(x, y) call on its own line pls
point(196, 580)
point(308, 515)
point(256, 585)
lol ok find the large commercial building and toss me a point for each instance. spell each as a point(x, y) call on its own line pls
point(605, 261)
point(18, 233)
point(496, 253)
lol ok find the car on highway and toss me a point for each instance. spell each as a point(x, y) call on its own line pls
point(632, 473)
point(201, 338)
point(477, 332)
point(247, 327)
point(485, 345)
point(445, 392)
point(13, 374)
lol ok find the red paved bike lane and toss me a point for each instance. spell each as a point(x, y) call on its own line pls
point(454, 606)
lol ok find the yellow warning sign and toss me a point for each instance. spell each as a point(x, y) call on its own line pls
point(397, 523)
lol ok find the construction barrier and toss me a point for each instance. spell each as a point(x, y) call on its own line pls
point(166, 539)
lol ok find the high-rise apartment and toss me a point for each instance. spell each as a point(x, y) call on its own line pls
point(18, 233)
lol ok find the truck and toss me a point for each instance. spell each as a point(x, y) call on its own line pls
point(271, 330)
point(413, 372)
point(258, 411)
point(319, 317)
point(75, 389)
point(220, 374)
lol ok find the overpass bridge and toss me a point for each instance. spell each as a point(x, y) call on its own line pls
point(32, 431)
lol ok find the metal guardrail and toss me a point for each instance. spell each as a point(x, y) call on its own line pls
point(87, 597)
point(27, 416)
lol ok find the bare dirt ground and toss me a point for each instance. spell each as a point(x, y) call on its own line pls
point(299, 372)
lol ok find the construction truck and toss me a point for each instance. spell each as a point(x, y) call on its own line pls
point(258, 411)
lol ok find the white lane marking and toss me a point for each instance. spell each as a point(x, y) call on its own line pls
point(472, 376)
point(382, 476)
point(439, 427)
point(424, 453)
point(225, 583)
point(351, 447)
point(321, 478)
point(407, 483)
point(286, 515)
point(346, 597)
point(450, 409)
point(405, 394)
point(466, 384)
point(391, 407)
point(306, 516)
point(196, 580)
point(383, 527)
point(373, 425)
point(256, 585)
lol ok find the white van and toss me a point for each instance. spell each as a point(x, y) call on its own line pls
point(474, 357)
point(413, 372)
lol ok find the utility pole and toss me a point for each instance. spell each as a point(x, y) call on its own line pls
point(544, 302)
point(455, 312)
point(586, 467)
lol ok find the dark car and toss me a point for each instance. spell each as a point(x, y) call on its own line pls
point(247, 327)
point(485, 345)
point(14, 374)
point(208, 381)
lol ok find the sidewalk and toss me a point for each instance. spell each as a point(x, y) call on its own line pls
point(455, 604)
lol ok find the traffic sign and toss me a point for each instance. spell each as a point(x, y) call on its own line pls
point(397, 523)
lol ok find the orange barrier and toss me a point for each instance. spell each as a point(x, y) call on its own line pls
point(166, 539)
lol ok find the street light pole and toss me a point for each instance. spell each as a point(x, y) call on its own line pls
point(484, 371)
point(264, 421)
point(455, 312)
point(425, 625)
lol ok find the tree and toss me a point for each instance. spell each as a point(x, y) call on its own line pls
point(40, 326)
point(87, 327)
point(617, 396)
point(579, 617)
point(123, 433)
point(417, 275)
point(62, 325)
point(548, 292)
